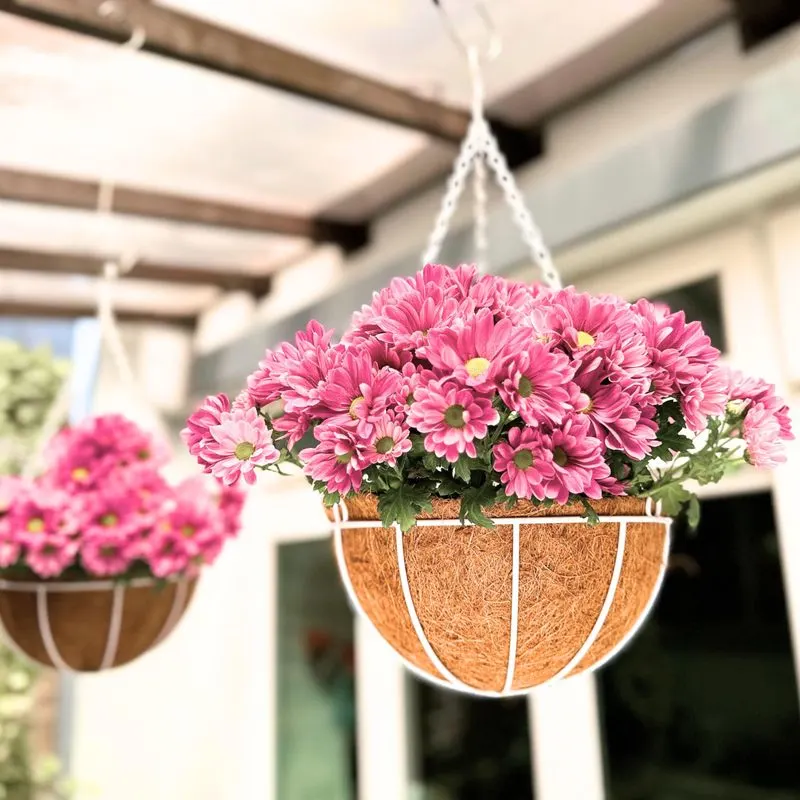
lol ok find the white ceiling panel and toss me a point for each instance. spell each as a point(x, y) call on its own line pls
point(73, 105)
point(405, 43)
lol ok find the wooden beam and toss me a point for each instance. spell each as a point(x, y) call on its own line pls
point(760, 20)
point(32, 187)
point(188, 39)
point(64, 263)
point(12, 308)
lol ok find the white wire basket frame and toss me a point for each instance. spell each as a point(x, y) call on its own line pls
point(44, 588)
point(446, 679)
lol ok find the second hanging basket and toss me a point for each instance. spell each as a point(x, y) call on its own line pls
point(86, 626)
point(543, 596)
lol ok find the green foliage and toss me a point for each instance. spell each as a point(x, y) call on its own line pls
point(29, 383)
point(401, 504)
point(474, 500)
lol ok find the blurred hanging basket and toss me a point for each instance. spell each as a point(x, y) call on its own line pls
point(86, 626)
point(542, 596)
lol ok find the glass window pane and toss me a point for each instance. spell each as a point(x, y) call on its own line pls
point(316, 705)
point(468, 748)
point(703, 704)
point(701, 301)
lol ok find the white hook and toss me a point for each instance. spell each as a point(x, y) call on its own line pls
point(494, 45)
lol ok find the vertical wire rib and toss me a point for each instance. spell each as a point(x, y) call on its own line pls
point(512, 645)
point(412, 613)
point(178, 607)
point(604, 609)
point(43, 619)
point(114, 626)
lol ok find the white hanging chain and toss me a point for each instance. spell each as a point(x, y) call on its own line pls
point(481, 218)
point(478, 145)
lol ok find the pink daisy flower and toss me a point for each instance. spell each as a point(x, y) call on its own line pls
point(339, 459)
point(476, 351)
point(755, 390)
point(705, 398)
point(538, 386)
point(241, 442)
point(169, 552)
point(389, 441)
point(578, 465)
point(524, 464)
point(106, 553)
point(41, 513)
point(613, 415)
point(50, 554)
point(452, 416)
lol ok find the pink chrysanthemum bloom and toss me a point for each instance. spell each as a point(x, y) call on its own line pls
point(169, 552)
point(208, 414)
point(681, 353)
point(50, 554)
point(762, 435)
point(475, 352)
point(538, 385)
point(582, 323)
point(705, 398)
point(578, 464)
point(504, 298)
point(111, 512)
point(106, 553)
point(241, 442)
point(407, 322)
point(613, 415)
point(339, 459)
point(355, 390)
point(754, 390)
point(268, 383)
point(452, 416)
point(523, 463)
point(40, 513)
point(389, 441)
point(10, 549)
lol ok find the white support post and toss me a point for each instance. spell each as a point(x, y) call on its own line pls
point(566, 752)
point(382, 736)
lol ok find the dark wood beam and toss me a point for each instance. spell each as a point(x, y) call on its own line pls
point(65, 263)
point(760, 20)
point(191, 40)
point(32, 187)
point(28, 310)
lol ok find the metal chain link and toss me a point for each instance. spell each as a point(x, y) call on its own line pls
point(478, 150)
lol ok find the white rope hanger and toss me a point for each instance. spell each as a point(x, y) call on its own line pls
point(480, 151)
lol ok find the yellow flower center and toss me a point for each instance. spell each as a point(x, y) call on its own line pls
point(525, 388)
point(35, 525)
point(354, 405)
point(344, 458)
point(585, 339)
point(109, 519)
point(244, 450)
point(477, 366)
point(560, 457)
point(80, 474)
point(588, 404)
point(454, 417)
point(188, 531)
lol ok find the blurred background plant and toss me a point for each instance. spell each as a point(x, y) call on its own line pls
point(30, 380)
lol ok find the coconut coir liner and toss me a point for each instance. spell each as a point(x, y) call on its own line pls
point(79, 622)
point(460, 579)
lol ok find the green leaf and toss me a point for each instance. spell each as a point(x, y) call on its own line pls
point(673, 498)
point(693, 513)
point(431, 462)
point(474, 500)
point(417, 445)
point(331, 498)
point(402, 504)
point(462, 469)
point(591, 515)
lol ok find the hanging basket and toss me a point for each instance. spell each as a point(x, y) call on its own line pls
point(497, 612)
point(87, 626)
